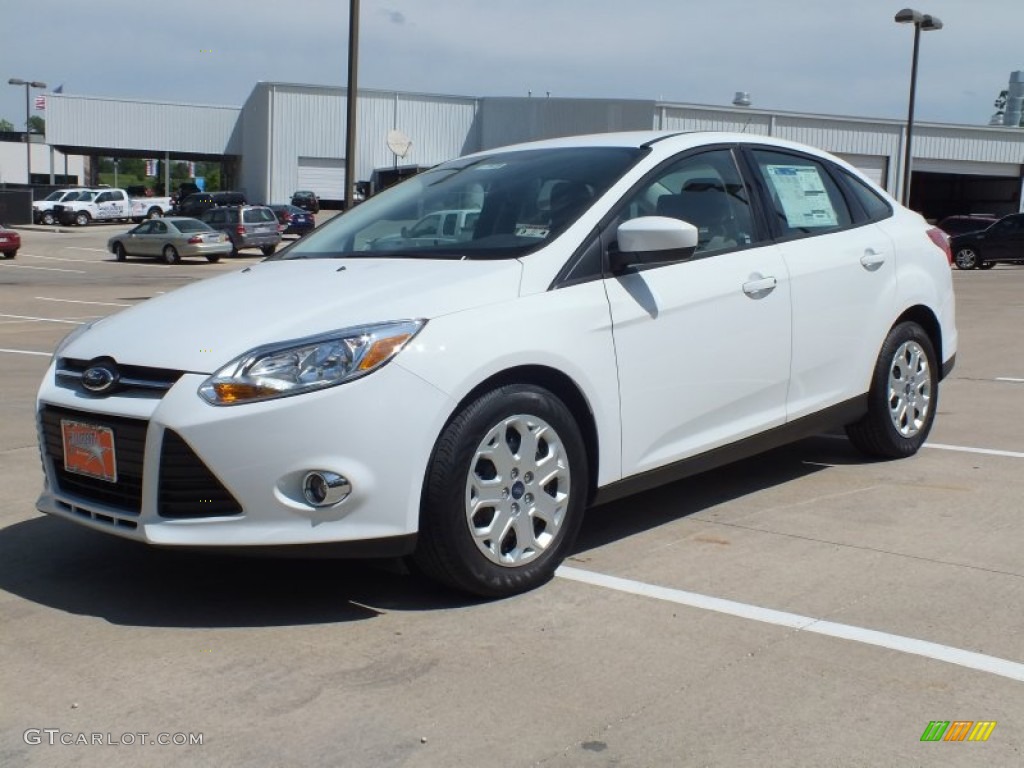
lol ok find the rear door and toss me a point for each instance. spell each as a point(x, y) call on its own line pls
point(842, 269)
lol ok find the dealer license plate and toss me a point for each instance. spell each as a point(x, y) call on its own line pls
point(89, 450)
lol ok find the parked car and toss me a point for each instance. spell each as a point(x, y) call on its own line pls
point(712, 295)
point(42, 210)
point(293, 220)
point(1002, 242)
point(970, 222)
point(306, 200)
point(10, 242)
point(247, 226)
point(171, 239)
point(110, 204)
point(196, 203)
point(436, 228)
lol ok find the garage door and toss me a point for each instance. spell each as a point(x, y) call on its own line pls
point(967, 167)
point(872, 166)
point(323, 175)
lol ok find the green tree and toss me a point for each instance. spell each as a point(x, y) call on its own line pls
point(6, 125)
point(36, 124)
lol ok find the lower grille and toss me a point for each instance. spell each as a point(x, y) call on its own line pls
point(188, 489)
point(129, 449)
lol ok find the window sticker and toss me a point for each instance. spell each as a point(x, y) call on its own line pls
point(802, 193)
point(531, 230)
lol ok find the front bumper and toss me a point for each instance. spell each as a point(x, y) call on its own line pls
point(377, 431)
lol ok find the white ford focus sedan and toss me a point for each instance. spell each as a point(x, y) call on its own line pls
point(607, 313)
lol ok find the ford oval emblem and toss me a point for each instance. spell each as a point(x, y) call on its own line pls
point(100, 379)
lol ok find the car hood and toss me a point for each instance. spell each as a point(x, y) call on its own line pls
point(202, 326)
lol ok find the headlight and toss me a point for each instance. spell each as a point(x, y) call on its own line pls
point(305, 365)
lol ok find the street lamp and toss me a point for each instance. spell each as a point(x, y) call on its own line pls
point(351, 96)
point(28, 145)
point(921, 21)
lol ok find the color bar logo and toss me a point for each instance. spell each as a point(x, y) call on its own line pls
point(958, 730)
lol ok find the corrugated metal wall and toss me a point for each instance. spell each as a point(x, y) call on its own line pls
point(513, 120)
point(293, 121)
point(84, 121)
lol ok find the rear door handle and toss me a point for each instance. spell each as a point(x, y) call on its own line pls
point(758, 287)
point(872, 259)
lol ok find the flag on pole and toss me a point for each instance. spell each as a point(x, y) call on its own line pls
point(40, 102)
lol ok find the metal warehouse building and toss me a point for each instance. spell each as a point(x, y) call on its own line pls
point(288, 136)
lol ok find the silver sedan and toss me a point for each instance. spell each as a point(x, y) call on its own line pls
point(171, 239)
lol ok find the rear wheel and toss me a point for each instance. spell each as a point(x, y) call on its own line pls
point(213, 258)
point(82, 218)
point(966, 258)
point(903, 396)
point(170, 254)
point(119, 252)
point(10, 254)
point(504, 495)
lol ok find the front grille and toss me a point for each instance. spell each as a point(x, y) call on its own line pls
point(188, 489)
point(129, 450)
point(153, 382)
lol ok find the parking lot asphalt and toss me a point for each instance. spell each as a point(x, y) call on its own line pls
point(805, 607)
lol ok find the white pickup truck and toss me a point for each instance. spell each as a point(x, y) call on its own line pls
point(42, 210)
point(111, 205)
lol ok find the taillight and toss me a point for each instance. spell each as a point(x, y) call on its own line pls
point(240, 229)
point(941, 239)
point(195, 239)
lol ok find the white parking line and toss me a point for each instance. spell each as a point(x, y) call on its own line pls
point(1008, 378)
point(966, 449)
point(45, 269)
point(1012, 670)
point(80, 248)
point(78, 301)
point(25, 352)
point(58, 258)
point(45, 319)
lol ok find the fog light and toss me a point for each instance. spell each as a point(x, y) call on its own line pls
point(324, 489)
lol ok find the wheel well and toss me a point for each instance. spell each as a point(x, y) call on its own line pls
point(558, 384)
point(927, 320)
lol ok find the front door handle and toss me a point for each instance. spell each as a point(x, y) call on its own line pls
point(758, 287)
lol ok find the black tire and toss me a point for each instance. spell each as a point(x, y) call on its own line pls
point(966, 257)
point(82, 219)
point(10, 254)
point(170, 254)
point(901, 407)
point(119, 252)
point(447, 549)
point(986, 265)
point(213, 258)
point(154, 213)
point(48, 218)
point(268, 250)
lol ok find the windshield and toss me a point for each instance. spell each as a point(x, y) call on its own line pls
point(54, 196)
point(496, 206)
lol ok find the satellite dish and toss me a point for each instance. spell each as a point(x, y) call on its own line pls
point(741, 99)
point(399, 143)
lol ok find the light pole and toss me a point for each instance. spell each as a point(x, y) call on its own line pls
point(921, 21)
point(351, 95)
point(28, 145)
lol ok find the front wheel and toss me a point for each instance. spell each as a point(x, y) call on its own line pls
point(49, 219)
point(171, 255)
point(119, 252)
point(505, 493)
point(903, 396)
point(966, 258)
point(154, 213)
point(82, 219)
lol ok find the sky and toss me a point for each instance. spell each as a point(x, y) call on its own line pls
point(839, 57)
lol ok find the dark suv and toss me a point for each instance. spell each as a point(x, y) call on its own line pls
point(307, 200)
point(248, 226)
point(1002, 242)
point(196, 203)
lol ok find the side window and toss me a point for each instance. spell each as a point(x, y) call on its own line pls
point(144, 229)
point(705, 190)
point(804, 198)
point(103, 197)
point(875, 206)
point(159, 228)
point(116, 196)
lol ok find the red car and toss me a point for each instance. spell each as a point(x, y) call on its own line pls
point(10, 242)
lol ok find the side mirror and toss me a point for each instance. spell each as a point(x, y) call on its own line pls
point(651, 240)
